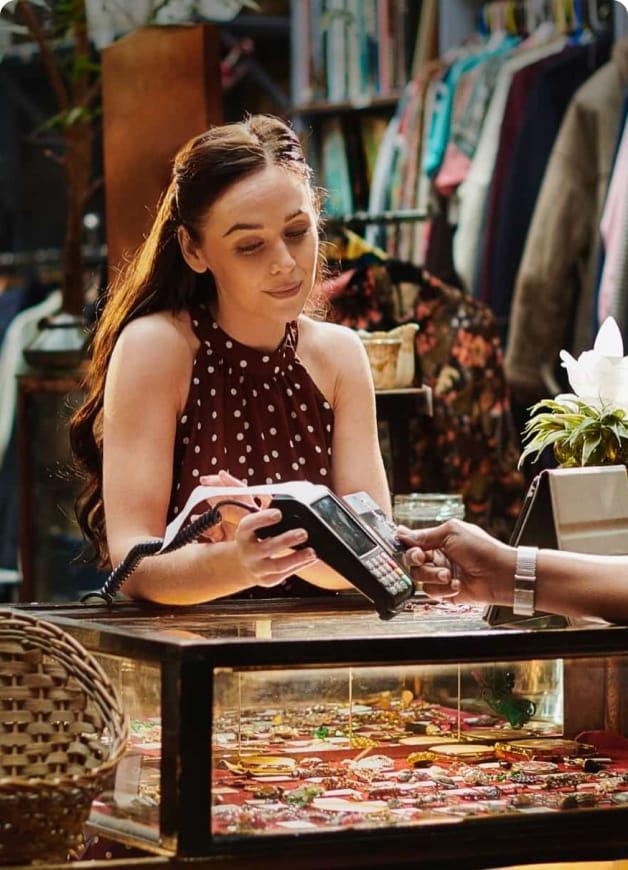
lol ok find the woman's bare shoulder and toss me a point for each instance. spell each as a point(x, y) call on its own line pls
point(156, 350)
point(328, 339)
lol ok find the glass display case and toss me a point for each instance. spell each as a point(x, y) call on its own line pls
point(288, 725)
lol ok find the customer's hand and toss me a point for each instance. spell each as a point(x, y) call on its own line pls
point(459, 559)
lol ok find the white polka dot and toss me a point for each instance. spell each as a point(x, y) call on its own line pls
point(196, 381)
point(274, 454)
point(326, 405)
point(184, 419)
point(276, 369)
point(214, 414)
point(251, 472)
point(197, 449)
point(246, 425)
point(249, 449)
point(297, 386)
point(295, 466)
point(178, 486)
point(241, 379)
point(272, 430)
point(262, 436)
point(277, 475)
point(233, 391)
point(289, 368)
point(237, 413)
point(266, 457)
point(303, 406)
point(195, 472)
point(225, 450)
point(195, 322)
point(229, 371)
point(243, 363)
point(297, 438)
point(271, 408)
point(293, 414)
point(266, 386)
point(186, 440)
point(212, 392)
point(269, 480)
point(301, 460)
point(242, 460)
point(176, 510)
point(291, 443)
point(214, 326)
point(265, 358)
point(210, 369)
point(288, 392)
point(198, 402)
point(240, 436)
point(214, 437)
point(310, 428)
point(254, 393)
point(318, 449)
point(329, 451)
point(323, 471)
point(199, 424)
point(328, 427)
point(244, 403)
point(228, 344)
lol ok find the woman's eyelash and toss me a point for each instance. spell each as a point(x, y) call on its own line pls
point(250, 249)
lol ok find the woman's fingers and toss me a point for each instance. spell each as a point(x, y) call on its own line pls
point(271, 571)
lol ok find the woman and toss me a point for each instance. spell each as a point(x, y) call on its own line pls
point(204, 363)
point(572, 584)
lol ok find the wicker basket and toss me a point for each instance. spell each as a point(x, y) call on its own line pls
point(62, 732)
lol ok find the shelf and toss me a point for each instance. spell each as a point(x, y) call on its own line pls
point(323, 107)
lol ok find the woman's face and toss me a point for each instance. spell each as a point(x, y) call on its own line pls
point(260, 242)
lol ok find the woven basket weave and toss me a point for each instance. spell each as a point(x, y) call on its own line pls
point(62, 732)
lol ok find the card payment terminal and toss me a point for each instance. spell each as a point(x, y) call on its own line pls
point(342, 540)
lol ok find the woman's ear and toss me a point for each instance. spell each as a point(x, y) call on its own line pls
point(190, 251)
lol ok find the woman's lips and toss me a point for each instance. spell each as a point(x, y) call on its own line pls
point(286, 292)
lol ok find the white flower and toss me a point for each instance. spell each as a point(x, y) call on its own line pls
point(599, 376)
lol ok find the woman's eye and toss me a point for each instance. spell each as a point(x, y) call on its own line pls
point(297, 234)
point(249, 249)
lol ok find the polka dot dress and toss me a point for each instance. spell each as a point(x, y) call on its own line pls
point(257, 415)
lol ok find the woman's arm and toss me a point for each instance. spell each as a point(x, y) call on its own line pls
point(145, 391)
point(572, 584)
point(357, 463)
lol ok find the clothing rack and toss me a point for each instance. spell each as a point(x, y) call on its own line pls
point(386, 218)
point(524, 16)
point(93, 255)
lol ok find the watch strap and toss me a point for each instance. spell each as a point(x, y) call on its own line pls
point(525, 581)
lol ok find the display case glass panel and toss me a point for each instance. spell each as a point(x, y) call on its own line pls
point(255, 722)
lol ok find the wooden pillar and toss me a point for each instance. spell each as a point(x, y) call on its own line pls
point(161, 86)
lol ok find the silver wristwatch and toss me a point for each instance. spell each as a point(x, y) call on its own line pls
point(525, 581)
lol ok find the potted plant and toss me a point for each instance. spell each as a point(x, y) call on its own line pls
point(590, 425)
point(73, 76)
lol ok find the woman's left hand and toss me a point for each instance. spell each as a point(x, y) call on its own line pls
point(231, 515)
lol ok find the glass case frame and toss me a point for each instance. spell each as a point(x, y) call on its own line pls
point(166, 636)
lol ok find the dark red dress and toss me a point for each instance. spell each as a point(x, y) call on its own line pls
point(257, 415)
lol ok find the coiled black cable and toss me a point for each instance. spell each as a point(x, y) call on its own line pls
point(184, 536)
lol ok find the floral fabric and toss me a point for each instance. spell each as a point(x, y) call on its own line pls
point(470, 444)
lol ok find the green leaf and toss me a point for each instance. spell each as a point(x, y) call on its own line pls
point(588, 449)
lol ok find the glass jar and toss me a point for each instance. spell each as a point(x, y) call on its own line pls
point(420, 510)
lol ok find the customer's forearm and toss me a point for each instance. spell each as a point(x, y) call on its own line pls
point(583, 585)
point(572, 584)
point(194, 574)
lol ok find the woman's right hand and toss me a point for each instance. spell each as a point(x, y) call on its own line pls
point(270, 561)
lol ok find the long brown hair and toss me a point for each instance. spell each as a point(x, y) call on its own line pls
point(157, 278)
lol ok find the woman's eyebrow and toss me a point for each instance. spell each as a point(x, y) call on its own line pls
point(237, 227)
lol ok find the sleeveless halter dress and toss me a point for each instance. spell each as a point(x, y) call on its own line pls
point(258, 415)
